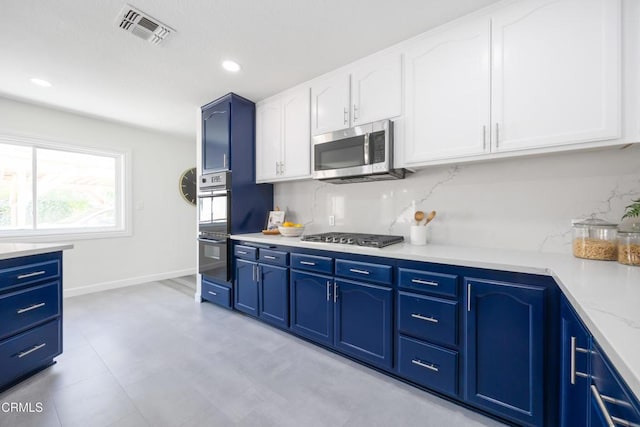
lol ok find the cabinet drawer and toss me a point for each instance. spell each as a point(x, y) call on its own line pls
point(269, 256)
point(377, 273)
point(216, 294)
point(28, 351)
point(29, 273)
point(246, 252)
point(425, 281)
point(319, 264)
point(427, 318)
point(25, 308)
point(428, 365)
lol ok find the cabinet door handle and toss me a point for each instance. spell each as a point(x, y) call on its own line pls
point(307, 263)
point(497, 134)
point(469, 297)
point(346, 115)
point(424, 282)
point(32, 307)
point(281, 168)
point(335, 292)
point(355, 112)
point(253, 273)
point(212, 293)
point(573, 373)
point(269, 257)
point(603, 408)
point(355, 270)
point(484, 137)
point(421, 317)
point(328, 290)
point(224, 160)
point(31, 350)
point(35, 273)
point(429, 366)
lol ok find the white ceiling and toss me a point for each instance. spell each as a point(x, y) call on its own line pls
point(98, 69)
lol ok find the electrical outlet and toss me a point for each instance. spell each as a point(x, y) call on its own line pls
point(332, 220)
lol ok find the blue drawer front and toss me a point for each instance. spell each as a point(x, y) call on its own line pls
point(318, 264)
point(377, 273)
point(428, 365)
point(29, 351)
point(246, 252)
point(428, 318)
point(428, 282)
point(28, 307)
point(29, 273)
point(216, 294)
point(269, 256)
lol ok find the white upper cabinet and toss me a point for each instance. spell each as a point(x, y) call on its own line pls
point(372, 91)
point(556, 73)
point(447, 101)
point(376, 90)
point(330, 104)
point(283, 144)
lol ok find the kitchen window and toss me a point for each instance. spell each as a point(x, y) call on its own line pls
point(49, 189)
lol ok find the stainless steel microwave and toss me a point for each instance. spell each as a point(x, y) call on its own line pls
point(359, 154)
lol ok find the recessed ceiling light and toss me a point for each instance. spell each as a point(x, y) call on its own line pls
point(40, 82)
point(231, 66)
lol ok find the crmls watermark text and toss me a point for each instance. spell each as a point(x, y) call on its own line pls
point(21, 407)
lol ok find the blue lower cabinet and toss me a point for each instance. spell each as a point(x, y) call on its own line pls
point(364, 321)
point(428, 365)
point(274, 294)
point(215, 293)
point(311, 306)
point(504, 369)
point(575, 369)
point(246, 287)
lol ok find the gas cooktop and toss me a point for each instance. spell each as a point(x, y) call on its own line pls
point(360, 239)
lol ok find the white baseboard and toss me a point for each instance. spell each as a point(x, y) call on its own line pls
point(97, 287)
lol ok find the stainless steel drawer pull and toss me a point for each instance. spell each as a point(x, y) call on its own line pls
point(355, 270)
point(269, 257)
point(28, 352)
point(615, 401)
point(424, 282)
point(623, 422)
point(242, 252)
point(307, 263)
point(430, 366)
point(421, 317)
point(35, 273)
point(32, 307)
point(212, 293)
point(603, 408)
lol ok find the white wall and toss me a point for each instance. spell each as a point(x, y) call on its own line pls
point(163, 242)
point(521, 203)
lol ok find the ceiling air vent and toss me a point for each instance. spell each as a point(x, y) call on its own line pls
point(142, 25)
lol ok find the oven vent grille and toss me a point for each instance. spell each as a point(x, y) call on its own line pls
point(142, 25)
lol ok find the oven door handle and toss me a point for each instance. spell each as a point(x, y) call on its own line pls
point(212, 241)
point(213, 193)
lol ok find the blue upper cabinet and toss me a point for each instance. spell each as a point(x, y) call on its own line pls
point(505, 349)
point(228, 128)
point(216, 136)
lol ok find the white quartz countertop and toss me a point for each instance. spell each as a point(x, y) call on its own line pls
point(605, 294)
point(15, 250)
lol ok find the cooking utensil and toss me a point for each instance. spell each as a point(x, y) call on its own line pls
point(430, 217)
point(418, 216)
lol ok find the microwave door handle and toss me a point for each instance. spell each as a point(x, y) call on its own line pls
point(366, 149)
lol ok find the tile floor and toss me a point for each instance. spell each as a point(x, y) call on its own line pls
point(149, 355)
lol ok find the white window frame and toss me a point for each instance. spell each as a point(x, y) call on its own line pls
point(123, 194)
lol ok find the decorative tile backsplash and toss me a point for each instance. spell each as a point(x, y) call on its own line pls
point(521, 203)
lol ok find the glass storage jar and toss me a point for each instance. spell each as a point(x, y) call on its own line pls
point(594, 238)
point(629, 247)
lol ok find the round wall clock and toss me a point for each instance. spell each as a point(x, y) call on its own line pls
point(187, 185)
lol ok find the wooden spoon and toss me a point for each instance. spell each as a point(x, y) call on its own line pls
point(430, 217)
point(418, 216)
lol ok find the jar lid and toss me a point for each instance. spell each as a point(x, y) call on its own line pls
point(628, 231)
point(594, 223)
